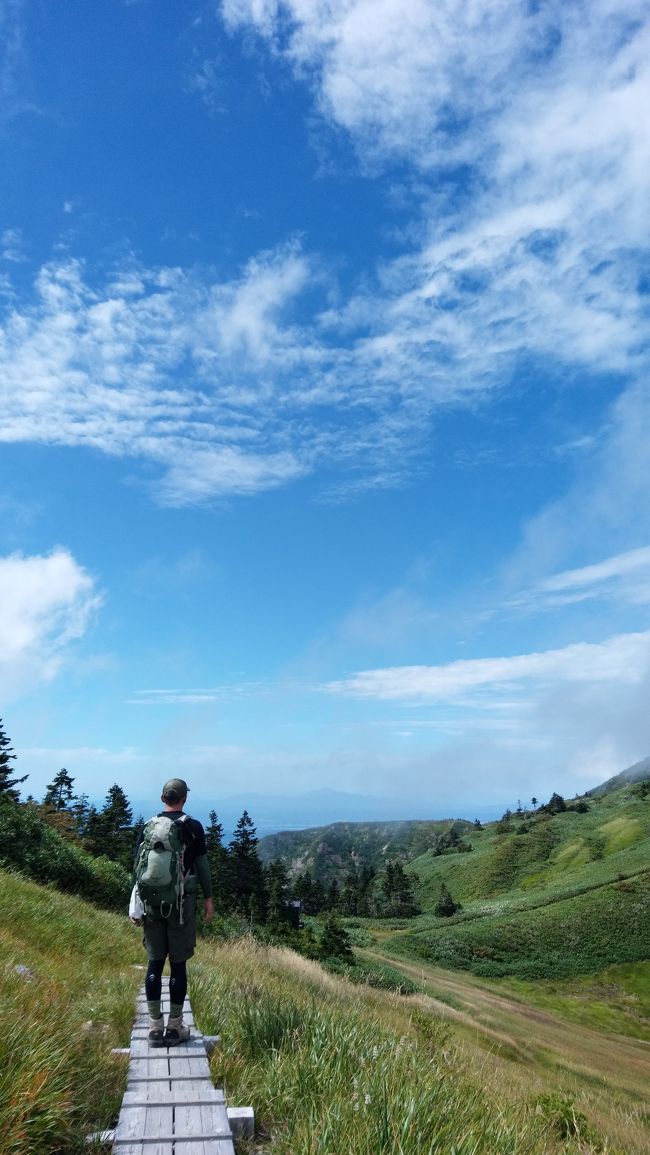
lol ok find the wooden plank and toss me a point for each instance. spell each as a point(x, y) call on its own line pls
point(154, 1066)
point(137, 1080)
point(180, 1066)
point(203, 1147)
point(170, 1106)
point(170, 1091)
point(208, 1122)
point(142, 1122)
point(139, 1148)
point(149, 1141)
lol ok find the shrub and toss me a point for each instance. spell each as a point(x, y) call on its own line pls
point(32, 847)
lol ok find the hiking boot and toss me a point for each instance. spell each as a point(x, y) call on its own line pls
point(176, 1032)
point(156, 1032)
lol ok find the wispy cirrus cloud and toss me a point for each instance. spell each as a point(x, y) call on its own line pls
point(624, 577)
point(192, 696)
point(536, 251)
point(532, 238)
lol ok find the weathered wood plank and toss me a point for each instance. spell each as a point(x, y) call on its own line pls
point(142, 1122)
point(145, 1147)
point(171, 1091)
point(203, 1147)
point(170, 1106)
point(209, 1122)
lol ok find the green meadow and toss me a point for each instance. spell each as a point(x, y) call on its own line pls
point(328, 1066)
point(547, 897)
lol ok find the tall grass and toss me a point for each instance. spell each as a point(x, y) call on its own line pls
point(68, 987)
point(336, 1070)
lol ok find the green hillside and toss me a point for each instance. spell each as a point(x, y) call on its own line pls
point(327, 852)
point(542, 893)
point(327, 1066)
point(549, 895)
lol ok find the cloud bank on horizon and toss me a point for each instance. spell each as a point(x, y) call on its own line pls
point(387, 313)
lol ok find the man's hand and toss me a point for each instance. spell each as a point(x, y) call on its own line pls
point(208, 909)
point(135, 921)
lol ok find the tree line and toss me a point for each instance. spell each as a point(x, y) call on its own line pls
point(242, 885)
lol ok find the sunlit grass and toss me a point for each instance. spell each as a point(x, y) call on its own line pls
point(68, 987)
point(334, 1069)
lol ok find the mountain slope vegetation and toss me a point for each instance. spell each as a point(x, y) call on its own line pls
point(558, 891)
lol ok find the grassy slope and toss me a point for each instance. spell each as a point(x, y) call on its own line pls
point(332, 1068)
point(583, 1038)
point(61, 1016)
point(569, 896)
point(326, 1065)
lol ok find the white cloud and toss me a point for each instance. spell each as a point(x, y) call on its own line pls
point(606, 503)
point(538, 247)
point(579, 714)
point(11, 246)
point(624, 577)
point(624, 659)
point(46, 603)
point(536, 253)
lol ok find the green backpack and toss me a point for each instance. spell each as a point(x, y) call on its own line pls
point(159, 867)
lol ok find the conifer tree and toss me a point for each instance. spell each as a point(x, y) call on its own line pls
point(6, 757)
point(333, 896)
point(110, 831)
point(555, 805)
point(59, 794)
point(445, 905)
point(246, 874)
point(218, 862)
point(318, 897)
point(335, 942)
point(302, 890)
point(278, 884)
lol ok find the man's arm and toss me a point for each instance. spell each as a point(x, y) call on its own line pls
point(202, 868)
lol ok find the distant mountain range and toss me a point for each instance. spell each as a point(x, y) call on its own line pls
point(273, 813)
point(328, 850)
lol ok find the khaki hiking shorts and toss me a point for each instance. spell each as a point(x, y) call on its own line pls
point(166, 936)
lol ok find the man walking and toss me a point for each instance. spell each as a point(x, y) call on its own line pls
point(170, 927)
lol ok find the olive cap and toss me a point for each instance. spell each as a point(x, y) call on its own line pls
point(175, 789)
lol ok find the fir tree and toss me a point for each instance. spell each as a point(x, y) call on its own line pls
point(6, 757)
point(246, 874)
point(318, 897)
point(397, 892)
point(278, 886)
point(445, 905)
point(335, 942)
point(218, 862)
point(333, 898)
point(59, 795)
point(555, 805)
point(110, 831)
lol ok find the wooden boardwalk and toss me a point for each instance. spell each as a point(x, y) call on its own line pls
point(170, 1105)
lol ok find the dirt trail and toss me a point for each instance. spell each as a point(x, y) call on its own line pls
point(532, 1034)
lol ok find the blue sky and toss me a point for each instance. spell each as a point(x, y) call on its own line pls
point(325, 413)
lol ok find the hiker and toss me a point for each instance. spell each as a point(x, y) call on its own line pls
point(170, 863)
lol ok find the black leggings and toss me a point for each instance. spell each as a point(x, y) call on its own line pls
point(177, 981)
